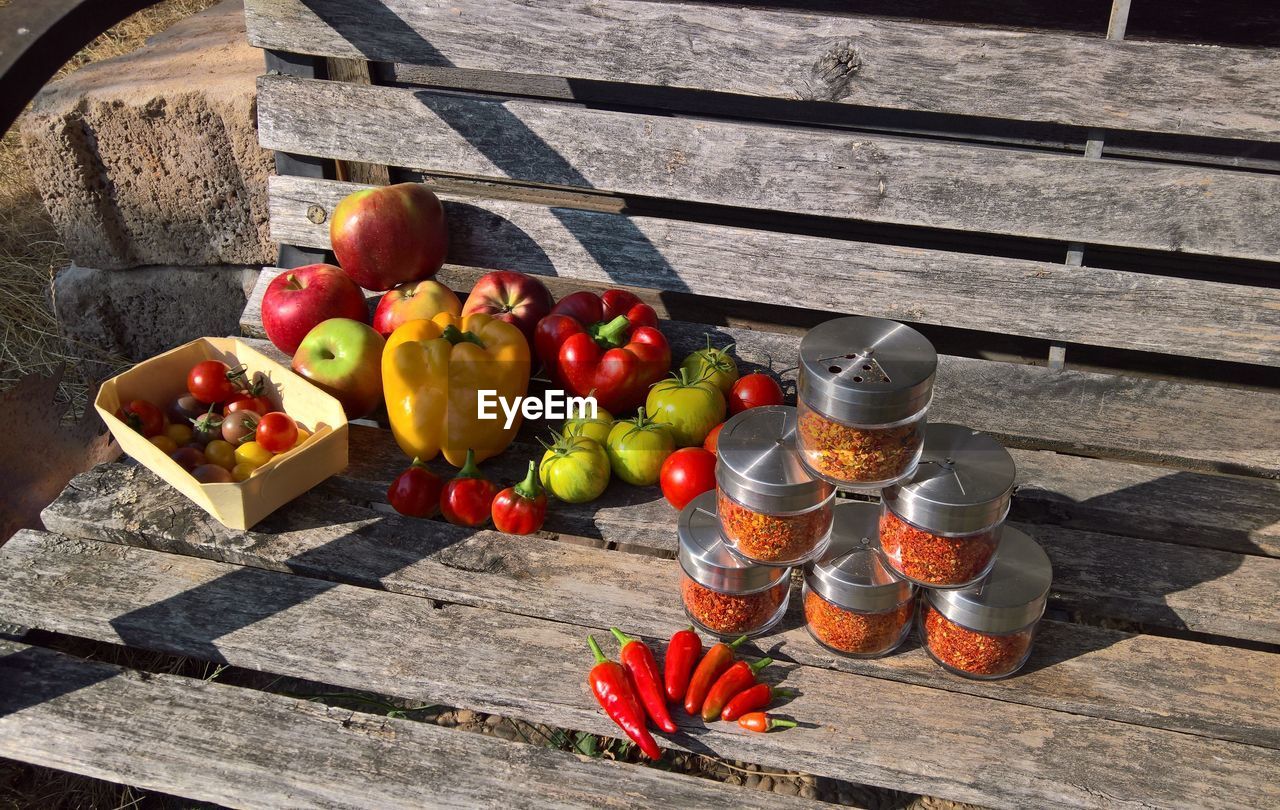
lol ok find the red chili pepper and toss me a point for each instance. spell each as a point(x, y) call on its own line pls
point(521, 509)
point(761, 722)
point(466, 500)
point(682, 654)
point(416, 491)
point(713, 664)
point(643, 669)
point(607, 346)
point(748, 700)
point(608, 682)
point(735, 679)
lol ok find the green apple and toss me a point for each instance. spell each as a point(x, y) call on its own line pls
point(344, 357)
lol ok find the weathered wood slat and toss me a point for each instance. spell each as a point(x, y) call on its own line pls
point(1085, 670)
point(834, 174)
point(1008, 296)
point(928, 740)
point(1218, 92)
point(1188, 426)
point(243, 748)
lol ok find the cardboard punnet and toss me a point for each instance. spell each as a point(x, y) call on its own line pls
point(163, 378)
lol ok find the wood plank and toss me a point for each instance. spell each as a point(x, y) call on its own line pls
point(1193, 427)
point(1007, 296)
point(829, 173)
point(243, 748)
point(915, 738)
point(1159, 584)
point(1216, 92)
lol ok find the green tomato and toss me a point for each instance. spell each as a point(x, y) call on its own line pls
point(597, 428)
point(712, 364)
point(637, 447)
point(689, 405)
point(575, 469)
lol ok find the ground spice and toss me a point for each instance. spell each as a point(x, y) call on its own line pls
point(932, 559)
point(855, 632)
point(858, 455)
point(970, 652)
point(773, 538)
point(730, 614)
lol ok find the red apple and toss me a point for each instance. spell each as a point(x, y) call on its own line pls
point(411, 301)
point(520, 300)
point(389, 235)
point(298, 299)
point(344, 357)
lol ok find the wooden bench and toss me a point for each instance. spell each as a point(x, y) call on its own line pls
point(1088, 230)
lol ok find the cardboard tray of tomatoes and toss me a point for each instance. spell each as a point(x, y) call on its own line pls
point(242, 504)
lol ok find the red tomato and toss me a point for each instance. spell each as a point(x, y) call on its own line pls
point(752, 391)
point(244, 401)
point(416, 491)
point(143, 417)
point(212, 381)
point(277, 432)
point(713, 439)
point(686, 474)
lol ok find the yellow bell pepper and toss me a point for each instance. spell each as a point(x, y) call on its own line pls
point(431, 373)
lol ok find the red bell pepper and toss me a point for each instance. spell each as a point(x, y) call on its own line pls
point(761, 722)
point(466, 499)
point(643, 669)
point(521, 509)
point(608, 682)
point(735, 679)
point(607, 346)
point(713, 664)
point(682, 653)
point(416, 491)
point(749, 700)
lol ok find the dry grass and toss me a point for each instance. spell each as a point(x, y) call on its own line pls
point(30, 252)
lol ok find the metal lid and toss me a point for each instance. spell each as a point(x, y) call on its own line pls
point(850, 573)
point(866, 371)
point(706, 558)
point(1011, 597)
point(758, 466)
point(962, 485)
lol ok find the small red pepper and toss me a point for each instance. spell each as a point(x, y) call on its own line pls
point(749, 700)
point(713, 664)
point(416, 491)
point(466, 499)
point(735, 679)
point(638, 660)
point(608, 682)
point(521, 509)
point(682, 654)
point(762, 722)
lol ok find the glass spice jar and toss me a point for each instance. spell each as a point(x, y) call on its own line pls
point(853, 605)
point(773, 511)
point(942, 528)
point(985, 632)
point(864, 389)
point(724, 595)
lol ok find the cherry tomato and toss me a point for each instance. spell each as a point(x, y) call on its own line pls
point(207, 427)
point(277, 432)
point(686, 474)
point(221, 453)
point(179, 432)
point(213, 381)
point(143, 417)
point(467, 499)
point(164, 443)
point(241, 472)
point(416, 491)
point(188, 458)
point(303, 435)
point(253, 454)
point(185, 408)
point(713, 439)
point(212, 474)
point(240, 427)
point(752, 391)
point(244, 401)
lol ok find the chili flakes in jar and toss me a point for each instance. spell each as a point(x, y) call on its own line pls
point(969, 652)
point(855, 632)
point(728, 614)
point(933, 559)
point(858, 455)
point(773, 538)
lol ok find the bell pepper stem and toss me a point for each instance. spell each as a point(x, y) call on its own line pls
point(469, 468)
point(455, 336)
point(761, 664)
point(530, 488)
point(595, 648)
point(622, 637)
point(612, 334)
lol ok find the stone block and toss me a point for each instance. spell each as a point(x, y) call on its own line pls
point(152, 158)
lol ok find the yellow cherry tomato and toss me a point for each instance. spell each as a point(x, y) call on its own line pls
point(253, 454)
point(179, 433)
point(242, 471)
point(303, 435)
point(164, 443)
point(221, 453)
